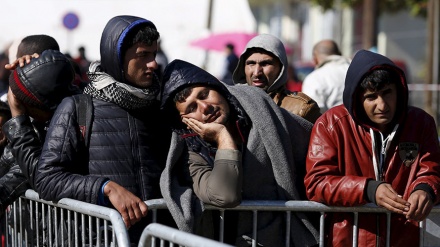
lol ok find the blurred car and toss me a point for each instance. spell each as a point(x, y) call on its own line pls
point(303, 68)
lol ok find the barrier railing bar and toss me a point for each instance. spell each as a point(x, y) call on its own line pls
point(166, 233)
point(388, 229)
point(222, 226)
point(308, 206)
point(288, 218)
point(121, 236)
point(355, 229)
point(254, 227)
point(75, 227)
point(321, 229)
point(422, 227)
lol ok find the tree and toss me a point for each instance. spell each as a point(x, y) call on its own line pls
point(371, 12)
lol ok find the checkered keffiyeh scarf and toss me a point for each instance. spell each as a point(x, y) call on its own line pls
point(106, 88)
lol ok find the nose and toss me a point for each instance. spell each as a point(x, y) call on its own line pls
point(152, 64)
point(381, 104)
point(204, 107)
point(257, 69)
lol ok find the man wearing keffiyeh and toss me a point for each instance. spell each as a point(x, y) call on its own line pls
point(127, 149)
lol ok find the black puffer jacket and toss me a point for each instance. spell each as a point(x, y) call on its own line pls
point(123, 148)
point(48, 79)
point(13, 183)
point(126, 146)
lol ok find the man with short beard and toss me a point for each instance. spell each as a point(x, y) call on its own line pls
point(264, 64)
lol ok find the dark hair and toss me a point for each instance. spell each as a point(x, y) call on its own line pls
point(378, 79)
point(36, 44)
point(146, 34)
point(5, 111)
point(230, 46)
point(182, 95)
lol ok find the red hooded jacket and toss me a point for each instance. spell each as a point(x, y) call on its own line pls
point(340, 161)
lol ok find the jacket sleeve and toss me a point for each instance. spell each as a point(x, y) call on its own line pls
point(428, 170)
point(13, 183)
point(25, 145)
point(325, 180)
point(219, 185)
point(63, 165)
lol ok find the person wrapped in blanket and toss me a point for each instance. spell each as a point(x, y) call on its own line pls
point(232, 143)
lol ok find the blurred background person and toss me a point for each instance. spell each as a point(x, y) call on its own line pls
point(231, 63)
point(294, 84)
point(83, 63)
point(326, 83)
point(161, 60)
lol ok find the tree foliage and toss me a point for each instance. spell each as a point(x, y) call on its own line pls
point(416, 7)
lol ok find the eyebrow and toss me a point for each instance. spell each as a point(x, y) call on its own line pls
point(266, 60)
point(383, 90)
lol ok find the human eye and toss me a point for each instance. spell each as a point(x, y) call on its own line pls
point(145, 53)
point(370, 97)
point(191, 108)
point(250, 62)
point(387, 91)
point(205, 93)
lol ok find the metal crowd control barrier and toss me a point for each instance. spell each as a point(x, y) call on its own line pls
point(165, 234)
point(309, 206)
point(36, 222)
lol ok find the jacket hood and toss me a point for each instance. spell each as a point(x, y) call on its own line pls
point(271, 44)
point(112, 40)
point(180, 74)
point(362, 64)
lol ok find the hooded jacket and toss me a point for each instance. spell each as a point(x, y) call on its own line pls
point(126, 146)
point(273, 155)
point(343, 167)
point(295, 102)
point(112, 43)
point(43, 83)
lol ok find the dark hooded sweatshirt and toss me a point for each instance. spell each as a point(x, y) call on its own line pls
point(348, 158)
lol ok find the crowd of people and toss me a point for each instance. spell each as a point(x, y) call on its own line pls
point(187, 137)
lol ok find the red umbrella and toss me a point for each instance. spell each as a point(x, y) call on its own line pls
point(218, 41)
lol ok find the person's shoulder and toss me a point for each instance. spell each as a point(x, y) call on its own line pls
point(417, 114)
point(299, 96)
point(301, 104)
point(337, 115)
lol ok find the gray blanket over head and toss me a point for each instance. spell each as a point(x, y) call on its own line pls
point(273, 169)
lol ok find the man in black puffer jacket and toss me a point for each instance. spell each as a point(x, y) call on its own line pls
point(20, 156)
point(128, 147)
point(35, 91)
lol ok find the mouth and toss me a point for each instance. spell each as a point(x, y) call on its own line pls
point(212, 117)
point(381, 114)
point(259, 83)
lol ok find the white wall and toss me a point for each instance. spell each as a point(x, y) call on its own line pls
point(178, 22)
